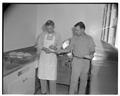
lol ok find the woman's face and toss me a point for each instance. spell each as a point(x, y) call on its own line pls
point(77, 31)
point(50, 29)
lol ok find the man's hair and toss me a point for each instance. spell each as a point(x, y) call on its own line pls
point(80, 24)
point(50, 22)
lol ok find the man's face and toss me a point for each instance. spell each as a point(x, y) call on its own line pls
point(78, 31)
point(50, 29)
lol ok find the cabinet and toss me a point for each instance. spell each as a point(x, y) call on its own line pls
point(63, 72)
point(21, 81)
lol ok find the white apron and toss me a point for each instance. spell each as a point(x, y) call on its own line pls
point(47, 68)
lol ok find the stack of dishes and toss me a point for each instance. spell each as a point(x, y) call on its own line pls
point(20, 55)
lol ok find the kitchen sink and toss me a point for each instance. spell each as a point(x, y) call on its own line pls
point(13, 62)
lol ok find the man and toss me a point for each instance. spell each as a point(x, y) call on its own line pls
point(83, 48)
point(48, 43)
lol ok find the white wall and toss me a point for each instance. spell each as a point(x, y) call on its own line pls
point(66, 15)
point(23, 22)
point(19, 26)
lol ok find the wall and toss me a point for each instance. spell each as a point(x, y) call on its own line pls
point(19, 26)
point(23, 22)
point(66, 15)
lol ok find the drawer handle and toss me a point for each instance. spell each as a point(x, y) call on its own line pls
point(25, 79)
point(19, 73)
point(23, 71)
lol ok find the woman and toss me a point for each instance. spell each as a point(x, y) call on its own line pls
point(48, 43)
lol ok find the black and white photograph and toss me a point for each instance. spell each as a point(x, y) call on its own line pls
point(60, 48)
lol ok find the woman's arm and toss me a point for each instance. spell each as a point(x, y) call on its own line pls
point(58, 43)
point(39, 42)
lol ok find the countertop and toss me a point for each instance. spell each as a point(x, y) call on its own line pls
point(10, 68)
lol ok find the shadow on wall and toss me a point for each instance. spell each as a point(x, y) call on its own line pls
point(19, 26)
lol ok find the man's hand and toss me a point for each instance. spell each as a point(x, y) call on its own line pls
point(88, 57)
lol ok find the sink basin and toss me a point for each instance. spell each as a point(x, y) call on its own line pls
point(11, 66)
point(13, 62)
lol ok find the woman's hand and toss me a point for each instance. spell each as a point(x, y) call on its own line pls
point(46, 50)
point(53, 47)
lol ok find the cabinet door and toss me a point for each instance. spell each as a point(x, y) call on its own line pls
point(16, 87)
point(28, 81)
point(24, 84)
point(63, 72)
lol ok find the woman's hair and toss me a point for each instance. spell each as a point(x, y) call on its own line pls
point(50, 22)
point(80, 24)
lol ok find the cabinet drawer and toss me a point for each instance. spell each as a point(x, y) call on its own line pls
point(25, 84)
point(21, 81)
point(19, 72)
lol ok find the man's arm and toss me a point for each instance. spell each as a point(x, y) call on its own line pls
point(91, 49)
point(90, 56)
